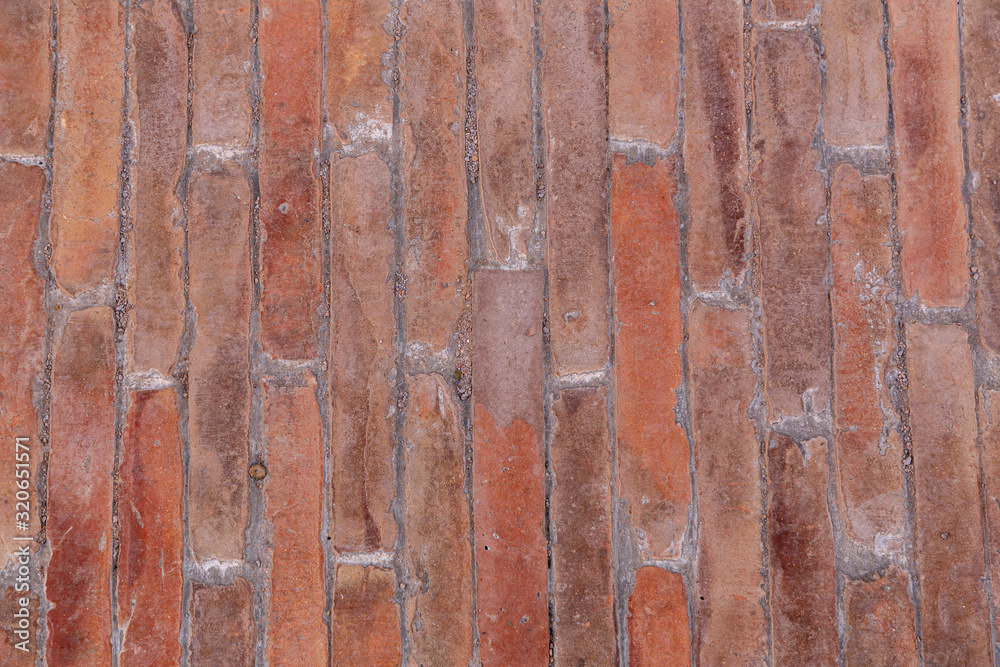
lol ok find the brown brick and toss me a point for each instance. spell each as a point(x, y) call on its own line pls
point(658, 628)
point(508, 478)
point(219, 258)
point(728, 614)
point(791, 202)
point(12, 645)
point(296, 632)
point(432, 98)
point(880, 625)
point(438, 525)
point(151, 558)
point(955, 627)
point(576, 119)
point(643, 71)
point(989, 425)
point(223, 630)
point(363, 356)
point(581, 524)
point(783, 10)
point(88, 132)
point(365, 620)
point(925, 89)
point(160, 115)
point(715, 140)
point(78, 580)
point(221, 71)
point(25, 76)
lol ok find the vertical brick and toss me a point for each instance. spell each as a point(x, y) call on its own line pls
point(800, 539)
point(508, 477)
point(880, 624)
point(432, 99)
point(151, 557)
point(783, 10)
point(438, 525)
point(10, 654)
point(791, 202)
point(581, 523)
point(87, 154)
point(989, 425)
point(78, 580)
point(946, 469)
point(576, 119)
point(365, 620)
point(658, 628)
point(652, 448)
point(925, 89)
point(221, 72)
point(715, 140)
point(363, 356)
point(219, 260)
point(223, 630)
point(160, 86)
point(728, 615)
point(291, 52)
point(25, 76)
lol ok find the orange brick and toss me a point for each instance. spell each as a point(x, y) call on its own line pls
point(25, 76)
point(365, 622)
point(880, 621)
point(221, 72)
point(782, 10)
point(989, 425)
point(658, 621)
point(222, 631)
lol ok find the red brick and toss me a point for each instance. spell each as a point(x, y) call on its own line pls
point(219, 259)
point(581, 524)
point(715, 140)
point(989, 425)
point(925, 89)
point(365, 620)
point(728, 612)
point(658, 628)
point(576, 119)
point(10, 654)
point(291, 52)
point(783, 10)
point(432, 97)
point(151, 511)
point(791, 202)
point(78, 581)
point(223, 629)
point(438, 525)
point(652, 448)
point(296, 632)
point(509, 462)
point(160, 115)
point(643, 71)
point(803, 571)
point(950, 555)
point(88, 132)
point(25, 76)
point(881, 629)
point(221, 72)
point(363, 355)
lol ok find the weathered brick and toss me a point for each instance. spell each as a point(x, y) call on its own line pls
point(78, 580)
point(220, 292)
point(432, 98)
point(160, 115)
point(715, 140)
point(296, 632)
point(25, 76)
point(576, 120)
point(800, 540)
point(508, 477)
point(925, 90)
point(581, 524)
point(989, 426)
point(223, 629)
point(783, 10)
point(365, 621)
point(658, 628)
point(950, 556)
point(652, 448)
point(791, 202)
point(728, 615)
point(11, 644)
point(87, 153)
point(221, 72)
point(438, 525)
point(291, 53)
point(151, 557)
point(363, 356)
point(880, 624)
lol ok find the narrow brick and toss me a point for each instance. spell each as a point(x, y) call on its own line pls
point(925, 90)
point(291, 53)
point(25, 76)
point(581, 523)
point(438, 525)
point(220, 291)
point(432, 99)
point(791, 202)
point(160, 87)
point(365, 621)
point(658, 628)
point(989, 425)
point(576, 118)
point(880, 625)
point(508, 477)
point(222, 631)
point(363, 356)
point(10, 604)
point(221, 72)
point(78, 580)
point(87, 153)
point(783, 10)
point(296, 632)
point(728, 614)
point(715, 140)
point(151, 558)
point(955, 626)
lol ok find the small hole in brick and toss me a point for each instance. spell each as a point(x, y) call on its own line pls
point(258, 471)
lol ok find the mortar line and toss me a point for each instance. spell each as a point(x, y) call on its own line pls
point(475, 223)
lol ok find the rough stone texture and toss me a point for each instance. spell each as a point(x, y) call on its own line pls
point(658, 628)
point(221, 73)
point(365, 622)
point(25, 76)
point(880, 621)
point(783, 10)
point(222, 631)
point(989, 427)
point(10, 652)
